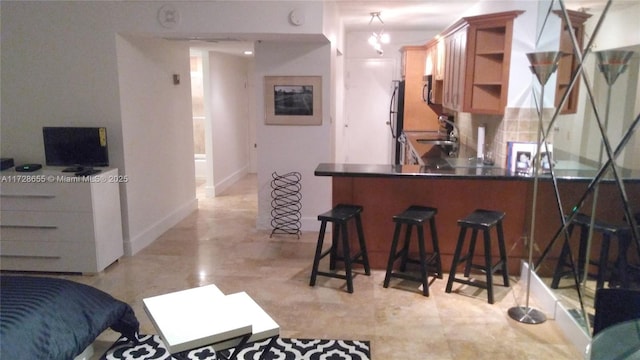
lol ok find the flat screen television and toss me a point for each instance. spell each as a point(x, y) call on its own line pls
point(75, 146)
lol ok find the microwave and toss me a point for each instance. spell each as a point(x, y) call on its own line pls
point(432, 90)
point(427, 89)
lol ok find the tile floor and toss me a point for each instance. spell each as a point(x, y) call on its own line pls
point(219, 244)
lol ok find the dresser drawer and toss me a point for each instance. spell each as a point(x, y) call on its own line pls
point(42, 226)
point(47, 256)
point(46, 196)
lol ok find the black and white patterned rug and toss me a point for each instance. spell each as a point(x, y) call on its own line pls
point(151, 347)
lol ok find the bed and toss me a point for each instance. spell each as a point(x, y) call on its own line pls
point(50, 318)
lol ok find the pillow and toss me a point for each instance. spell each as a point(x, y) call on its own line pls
point(50, 318)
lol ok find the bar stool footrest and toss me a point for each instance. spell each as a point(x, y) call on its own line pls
point(495, 268)
point(471, 283)
point(406, 276)
point(332, 275)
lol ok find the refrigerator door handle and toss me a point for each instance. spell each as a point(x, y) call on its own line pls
point(392, 112)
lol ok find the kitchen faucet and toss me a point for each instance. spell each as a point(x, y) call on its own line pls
point(453, 136)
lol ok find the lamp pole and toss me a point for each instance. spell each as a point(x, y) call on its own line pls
point(543, 65)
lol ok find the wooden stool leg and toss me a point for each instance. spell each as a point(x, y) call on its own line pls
point(503, 254)
point(583, 257)
point(405, 248)
point(335, 238)
point(603, 260)
point(621, 265)
point(562, 259)
point(436, 247)
point(363, 246)
point(316, 259)
point(456, 259)
point(488, 264)
point(347, 257)
point(472, 250)
point(557, 273)
point(423, 262)
point(392, 255)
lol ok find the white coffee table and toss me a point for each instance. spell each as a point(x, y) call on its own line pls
point(204, 316)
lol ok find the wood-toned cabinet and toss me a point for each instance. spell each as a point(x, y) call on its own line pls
point(489, 39)
point(434, 65)
point(569, 62)
point(454, 68)
point(477, 55)
point(417, 114)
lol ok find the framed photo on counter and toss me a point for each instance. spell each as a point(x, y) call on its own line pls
point(521, 157)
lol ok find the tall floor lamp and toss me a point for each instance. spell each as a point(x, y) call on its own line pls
point(543, 65)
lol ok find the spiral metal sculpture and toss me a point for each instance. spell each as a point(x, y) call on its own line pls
point(285, 203)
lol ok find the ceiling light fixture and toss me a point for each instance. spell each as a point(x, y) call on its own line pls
point(378, 38)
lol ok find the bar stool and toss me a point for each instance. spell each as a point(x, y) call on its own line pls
point(340, 216)
point(608, 232)
point(415, 216)
point(478, 220)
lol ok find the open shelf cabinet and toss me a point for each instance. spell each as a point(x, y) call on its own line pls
point(569, 62)
point(489, 39)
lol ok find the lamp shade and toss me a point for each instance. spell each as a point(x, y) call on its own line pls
point(543, 64)
point(612, 63)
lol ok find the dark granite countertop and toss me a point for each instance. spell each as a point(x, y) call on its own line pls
point(441, 169)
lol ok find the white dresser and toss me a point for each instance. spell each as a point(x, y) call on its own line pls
point(54, 221)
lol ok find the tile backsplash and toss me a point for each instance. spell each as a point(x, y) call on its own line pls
point(517, 124)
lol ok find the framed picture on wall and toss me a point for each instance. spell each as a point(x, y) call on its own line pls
point(293, 100)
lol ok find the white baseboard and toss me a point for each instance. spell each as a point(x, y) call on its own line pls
point(149, 235)
point(221, 186)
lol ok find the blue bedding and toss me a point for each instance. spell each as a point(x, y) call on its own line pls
point(48, 318)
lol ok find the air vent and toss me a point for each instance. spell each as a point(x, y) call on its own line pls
point(202, 39)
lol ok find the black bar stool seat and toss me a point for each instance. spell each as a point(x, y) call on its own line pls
point(415, 216)
point(621, 232)
point(480, 220)
point(340, 216)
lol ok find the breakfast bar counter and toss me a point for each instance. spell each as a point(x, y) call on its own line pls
point(387, 190)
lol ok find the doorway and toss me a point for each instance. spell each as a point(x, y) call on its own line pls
point(201, 126)
point(366, 134)
point(223, 116)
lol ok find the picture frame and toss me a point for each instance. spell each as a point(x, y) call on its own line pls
point(293, 100)
point(521, 157)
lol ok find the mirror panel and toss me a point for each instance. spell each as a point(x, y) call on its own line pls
point(591, 131)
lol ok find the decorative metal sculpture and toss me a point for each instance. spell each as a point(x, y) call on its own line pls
point(285, 203)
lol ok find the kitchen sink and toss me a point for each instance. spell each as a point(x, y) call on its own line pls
point(436, 142)
point(466, 163)
point(437, 164)
point(448, 163)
